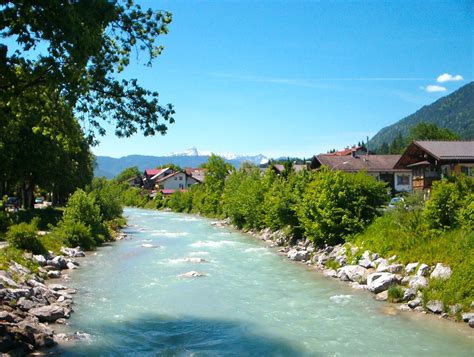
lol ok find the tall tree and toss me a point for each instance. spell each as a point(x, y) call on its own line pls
point(78, 48)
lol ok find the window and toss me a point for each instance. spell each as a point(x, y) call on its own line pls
point(403, 180)
point(181, 186)
point(466, 170)
point(181, 178)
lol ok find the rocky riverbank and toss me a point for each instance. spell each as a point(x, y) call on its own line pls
point(386, 278)
point(32, 303)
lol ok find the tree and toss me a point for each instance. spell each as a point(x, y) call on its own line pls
point(42, 145)
point(430, 131)
point(128, 173)
point(76, 48)
point(337, 205)
point(217, 171)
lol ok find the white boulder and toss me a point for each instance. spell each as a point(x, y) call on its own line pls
point(441, 272)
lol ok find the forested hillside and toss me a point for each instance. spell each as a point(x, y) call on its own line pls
point(455, 112)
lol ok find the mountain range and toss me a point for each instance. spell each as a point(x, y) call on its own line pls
point(454, 111)
point(110, 167)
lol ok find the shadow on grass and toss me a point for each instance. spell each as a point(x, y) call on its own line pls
point(159, 335)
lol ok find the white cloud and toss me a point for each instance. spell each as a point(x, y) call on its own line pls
point(434, 88)
point(446, 77)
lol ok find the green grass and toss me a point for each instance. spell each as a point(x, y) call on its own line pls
point(404, 234)
point(395, 294)
point(9, 254)
point(332, 264)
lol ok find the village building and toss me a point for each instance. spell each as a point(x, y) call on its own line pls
point(179, 180)
point(199, 174)
point(151, 176)
point(353, 151)
point(379, 166)
point(280, 168)
point(432, 160)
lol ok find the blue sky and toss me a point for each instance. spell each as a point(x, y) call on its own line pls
point(295, 78)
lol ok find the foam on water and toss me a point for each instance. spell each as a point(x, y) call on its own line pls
point(165, 233)
point(212, 244)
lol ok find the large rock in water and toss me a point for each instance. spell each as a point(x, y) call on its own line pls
point(378, 282)
point(48, 313)
point(441, 272)
point(353, 273)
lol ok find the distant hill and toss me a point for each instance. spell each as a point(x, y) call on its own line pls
point(455, 112)
point(110, 167)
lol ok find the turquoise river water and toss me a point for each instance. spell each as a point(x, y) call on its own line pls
point(252, 301)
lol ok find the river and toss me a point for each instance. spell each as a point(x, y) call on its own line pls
point(252, 301)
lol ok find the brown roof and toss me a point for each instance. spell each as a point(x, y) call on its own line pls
point(296, 167)
point(448, 150)
point(369, 163)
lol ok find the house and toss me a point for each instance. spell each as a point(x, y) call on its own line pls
point(280, 168)
point(432, 160)
point(355, 150)
point(179, 180)
point(379, 166)
point(135, 181)
point(150, 176)
point(198, 174)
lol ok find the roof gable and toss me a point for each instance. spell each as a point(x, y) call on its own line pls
point(369, 163)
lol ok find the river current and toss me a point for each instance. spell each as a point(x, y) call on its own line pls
point(251, 301)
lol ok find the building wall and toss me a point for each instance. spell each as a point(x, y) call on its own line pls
point(175, 182)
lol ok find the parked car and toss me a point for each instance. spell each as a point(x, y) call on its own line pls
point(12, 203)
point(39, 200)
point(396, 202)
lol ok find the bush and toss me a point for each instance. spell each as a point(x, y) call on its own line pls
point(442, 208)
point(450, 202)
point(23, 236)
point(337, 205)
point(466, 214)
point(242, 200)
point(107, 196)
point(74, 234)
point(82, 208)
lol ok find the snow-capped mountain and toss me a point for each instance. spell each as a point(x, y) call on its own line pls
point(109, 167)
point(256, 159)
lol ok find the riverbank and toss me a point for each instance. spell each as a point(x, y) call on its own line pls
point(36, 300)
point(384, 277)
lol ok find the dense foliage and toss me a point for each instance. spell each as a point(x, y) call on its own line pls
point(421, 131)
point(59, 67)
point(326, 206)
point(438, 230)
point(23, 236)
point(337, 205)
point(454, 112)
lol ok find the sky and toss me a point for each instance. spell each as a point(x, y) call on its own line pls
point(297, 78)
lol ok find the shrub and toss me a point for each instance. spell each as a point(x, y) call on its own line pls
point(107, 196)
point(466, 214)
point(74, 234)
point(82, 208)
point(450, 202)
point(337, 205)
point(442, 208)
point(23, 236)
point(243, 197)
